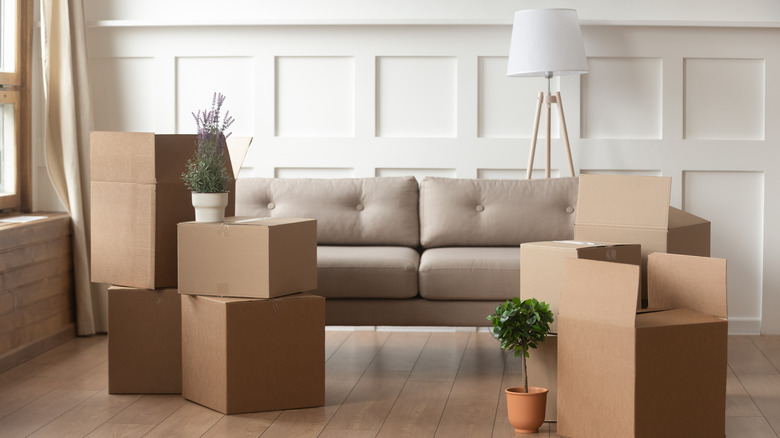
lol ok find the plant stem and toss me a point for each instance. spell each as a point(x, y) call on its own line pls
point(525, 370)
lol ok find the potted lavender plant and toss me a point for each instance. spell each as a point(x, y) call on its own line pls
point(206, 174)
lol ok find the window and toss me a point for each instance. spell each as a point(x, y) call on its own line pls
point(15, 48)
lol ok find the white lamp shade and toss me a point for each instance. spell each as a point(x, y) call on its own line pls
point(546, 40)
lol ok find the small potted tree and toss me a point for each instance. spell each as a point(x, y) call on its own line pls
point(520, 326)
point(206, 174)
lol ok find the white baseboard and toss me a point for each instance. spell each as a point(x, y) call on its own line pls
point(737, 326)
point(350, 328)
point(744, 326)
point(389, 328)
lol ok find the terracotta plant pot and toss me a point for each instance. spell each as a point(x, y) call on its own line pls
point(209, 207)
point(526, 411)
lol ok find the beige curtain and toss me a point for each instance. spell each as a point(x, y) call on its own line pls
point(68, 121)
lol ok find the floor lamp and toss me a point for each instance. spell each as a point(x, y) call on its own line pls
point(547, 42)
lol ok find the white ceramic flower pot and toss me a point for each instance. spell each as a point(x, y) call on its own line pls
point(209, 207)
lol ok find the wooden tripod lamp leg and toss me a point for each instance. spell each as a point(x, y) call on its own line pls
point(565, 133)
point(548, 102)
point(531, 153)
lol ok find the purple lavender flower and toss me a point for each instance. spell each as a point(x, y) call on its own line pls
point(206, 171)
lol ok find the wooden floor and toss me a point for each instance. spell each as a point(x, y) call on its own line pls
point(379, 384)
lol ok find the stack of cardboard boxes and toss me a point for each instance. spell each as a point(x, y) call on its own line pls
point(170, 328)
point(250, 341)
point(581, 281)
point(137, 200)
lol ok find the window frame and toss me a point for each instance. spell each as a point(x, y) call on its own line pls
point(15, 88)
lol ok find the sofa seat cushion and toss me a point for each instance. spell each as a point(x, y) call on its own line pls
point(367, 271)
point(478, 273)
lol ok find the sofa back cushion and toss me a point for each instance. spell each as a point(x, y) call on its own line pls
point(484, 212)
point(351, 211)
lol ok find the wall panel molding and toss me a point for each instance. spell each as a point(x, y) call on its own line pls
point(429, 97)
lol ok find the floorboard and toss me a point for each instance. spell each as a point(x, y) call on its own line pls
point(149, 410)
point(378, 385)
point(472, 405)
point(417, 410)
point(86, 417)
point(242, 425)
point(188, 421)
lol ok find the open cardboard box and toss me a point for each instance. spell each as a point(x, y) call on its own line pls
point(248, 355)
point(635, 209)
point(541, 277)
point(648, 374)
point(248, 257)
point(144, 341)
point(542, 266)
point(138, 197)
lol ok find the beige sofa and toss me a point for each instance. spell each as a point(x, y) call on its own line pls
point(443, 252)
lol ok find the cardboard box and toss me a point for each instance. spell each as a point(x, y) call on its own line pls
point(138, 197)
point(243, 355)
point(541, 277)
point(542, 266)
point(144, 341)
point(248, 257)
point(635, 209)
point(648, 374)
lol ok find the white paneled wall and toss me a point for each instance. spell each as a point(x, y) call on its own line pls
point(315, 96)
point(357, 97)
point(231, 75)
point(724, 98)
point(734, 202)
point(622, 98)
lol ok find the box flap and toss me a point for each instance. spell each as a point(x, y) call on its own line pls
point(248, 220)
point(681, 218)
point(624, 201)
point(135, 150)
point(172, 152)
point(600, 291)
point(237, 147)
point(562, 244)
point(142, 161)
point(263, 221)
point(229, 300)
point(687, 282)
point(676, 317)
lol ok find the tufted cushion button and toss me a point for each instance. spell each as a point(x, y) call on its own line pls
point(359, 207)
point(271, 206)
point(570, 209)
point(480, 207)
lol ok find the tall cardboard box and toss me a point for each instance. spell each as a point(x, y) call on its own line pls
point(248, 257)
point(138, 197)
point(648, 374)
point(144, 341)
point(541, 277)
point(635, 209)
point(243, 355)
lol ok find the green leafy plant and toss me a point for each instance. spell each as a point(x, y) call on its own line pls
point(206, 171)
point(520, 326)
